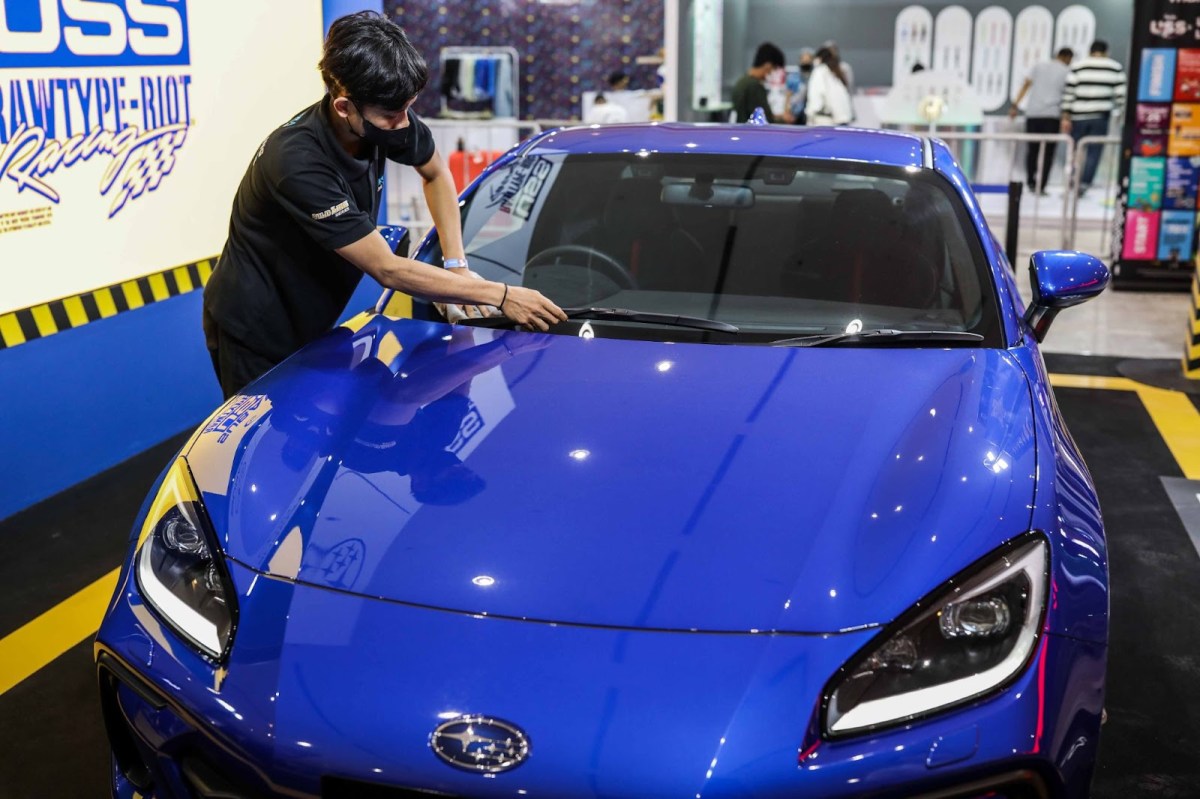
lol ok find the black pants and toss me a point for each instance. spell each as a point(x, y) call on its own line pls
point(236, 364)
point(1040, 125)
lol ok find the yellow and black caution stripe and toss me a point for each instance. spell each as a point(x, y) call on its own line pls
point(40, 321)
point(1191, 350)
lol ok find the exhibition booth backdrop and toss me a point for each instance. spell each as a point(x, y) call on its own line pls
point(124, 130)
point(125, 126)
point(990, 44)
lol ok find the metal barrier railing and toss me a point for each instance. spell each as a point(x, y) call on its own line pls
point(1110, 185)
point(407, 207)
point(1039, 139)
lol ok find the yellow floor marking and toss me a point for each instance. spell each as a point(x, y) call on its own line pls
point(1089, 381)
point(30, 648)
point(205, 269)
point(1178, 421)
point(1172, 412)
point(104, 302)
point(75, 312)
point(43, 320)
point(10, 329)
point(158, 287)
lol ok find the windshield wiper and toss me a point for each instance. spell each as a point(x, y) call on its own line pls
point(649, 317)
point(876, 336)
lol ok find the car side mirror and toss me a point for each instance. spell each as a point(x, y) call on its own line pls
point(1060, 279)
point(397, 238)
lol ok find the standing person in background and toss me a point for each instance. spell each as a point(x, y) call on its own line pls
point(749, 92)
point(1095, 91)
point(618, 82)
point(603, 112)
point(799, 91)
point(847, 70)
point(1046, 84)
point(828, 100)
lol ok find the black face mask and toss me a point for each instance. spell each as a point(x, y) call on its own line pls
point(390, 139)
point(805, 69)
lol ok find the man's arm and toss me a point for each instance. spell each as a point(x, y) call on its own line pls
point(1012, 112)
point(442, 199)
point(525, 306)
point(1068, 101)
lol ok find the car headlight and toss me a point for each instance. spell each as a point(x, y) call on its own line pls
point(966, 640)
point(178, 567)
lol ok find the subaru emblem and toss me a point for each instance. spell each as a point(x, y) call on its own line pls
point(480, 744)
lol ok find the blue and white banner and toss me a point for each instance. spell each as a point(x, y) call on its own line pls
point(125, 126)
point(63, 117)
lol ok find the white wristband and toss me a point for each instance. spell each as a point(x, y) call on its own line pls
point(454, 263)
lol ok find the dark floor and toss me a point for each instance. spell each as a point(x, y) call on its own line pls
point(53, 744)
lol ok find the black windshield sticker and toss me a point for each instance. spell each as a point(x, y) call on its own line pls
point(518, 193)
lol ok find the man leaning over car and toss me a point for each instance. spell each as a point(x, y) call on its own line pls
point(302, 230)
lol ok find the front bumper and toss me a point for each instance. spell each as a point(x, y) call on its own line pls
point(330, 695)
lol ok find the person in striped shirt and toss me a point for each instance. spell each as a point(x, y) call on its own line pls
point(1095, 91)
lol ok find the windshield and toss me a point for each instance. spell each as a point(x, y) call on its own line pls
point(775, 246)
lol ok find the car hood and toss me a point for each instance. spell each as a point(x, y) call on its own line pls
point(621, 483)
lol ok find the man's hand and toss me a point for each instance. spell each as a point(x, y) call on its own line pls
point(1065, 125)
point(456, 313)
point(1012, 111)
point(530, 308)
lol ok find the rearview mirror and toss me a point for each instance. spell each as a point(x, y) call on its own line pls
point(1060, 279)
point(708, 195)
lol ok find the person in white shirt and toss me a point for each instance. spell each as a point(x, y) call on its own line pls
point(828, 101)
point(847, 70)
point(605, 113)
point(1045, 86)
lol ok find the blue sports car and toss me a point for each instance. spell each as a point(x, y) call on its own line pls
point(786, 508)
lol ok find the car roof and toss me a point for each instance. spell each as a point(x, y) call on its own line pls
point(848, 144)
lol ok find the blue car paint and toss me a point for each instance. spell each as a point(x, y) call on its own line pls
point(589, 699)
point(857, 517)
point(590, 695)
point(1063, 279)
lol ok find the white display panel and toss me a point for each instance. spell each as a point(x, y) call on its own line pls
point(952, 42)
point(120, 151)
point(1076, 29)
point(706, 49)
point(1033, 42)
point(991, 57)
point(913, 41)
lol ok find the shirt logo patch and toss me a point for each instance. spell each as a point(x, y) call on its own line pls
point(336, 210)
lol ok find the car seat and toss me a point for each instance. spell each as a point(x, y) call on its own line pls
point(862, 257)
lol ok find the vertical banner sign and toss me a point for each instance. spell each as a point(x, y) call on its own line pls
point(89, 82)
point(1155, 241)
point(706, 40)
point(913, 42)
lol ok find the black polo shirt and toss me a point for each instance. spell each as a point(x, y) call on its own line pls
point(279, 284)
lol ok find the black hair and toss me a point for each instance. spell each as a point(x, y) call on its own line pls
point(1066, 53)
point(829, 58)
point(616, 77)
point(1099, 46)
point(768, 53)
point(368, 57)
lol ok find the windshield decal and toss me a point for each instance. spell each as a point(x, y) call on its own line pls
point(519, 192)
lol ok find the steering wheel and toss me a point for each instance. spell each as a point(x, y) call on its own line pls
point(609, 266)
